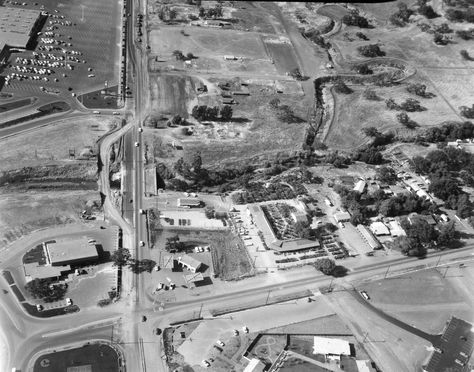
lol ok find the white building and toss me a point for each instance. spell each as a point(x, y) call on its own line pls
point(360, 186)
point(331, 347)
point(190, 263)
point(379, 228)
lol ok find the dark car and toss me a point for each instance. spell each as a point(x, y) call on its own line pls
point(143, 318)
point(158, 331)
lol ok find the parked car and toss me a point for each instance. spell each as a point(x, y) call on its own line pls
point(245, 329)
point(68, 301)
point(220, 343)
point(365, 295)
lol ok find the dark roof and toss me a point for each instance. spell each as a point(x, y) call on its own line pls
point(294, 245)
point(454, 349)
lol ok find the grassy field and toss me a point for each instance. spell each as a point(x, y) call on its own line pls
point(16, 104)
point(23, 213)
point(425, 299)
point(353, 113)
point(101, 357)
point(51, 144)
point(282, 54)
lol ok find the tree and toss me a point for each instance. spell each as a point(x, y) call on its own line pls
point(444, 187)
point(447, 234)
point(47, 291)
point(173, 244)
point(341, 87)
point(139, 266)
point(440, 39)
point(466, 34)
point(391, 104)
point(412, 105)
point(364, 70)
point(325, 265)
point(197, 162)
point(405, 120)
point(178, 55)
point(371, 51)
point(120, 257)
point(444, 29)
point(427, 11)
point(173, 13)
point(274, 103)
point(402, 16)
point(371, 132)
point(419, 89)
point(409, 247)
point(467, 112)
point(465, 54)
point(210, 212)
point(387, 175)
point(370, 95)
point(226, 113)
point(355, 19)
point(202, 12)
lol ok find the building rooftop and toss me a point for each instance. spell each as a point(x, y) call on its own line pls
point(255, 365)
point(193, 278)
point(427, 217)
point(189, 261)
point(294, 245)
point(35, 271)
point(396, 229)
point(333, 346)
point(369, 238)
point(379, 228)
point(342, 216)
point(191, 202)
point(16, 25)
point(454, 350)
point(70, 250)
point(360, 186)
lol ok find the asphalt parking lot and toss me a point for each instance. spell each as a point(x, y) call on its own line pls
point(79, 39)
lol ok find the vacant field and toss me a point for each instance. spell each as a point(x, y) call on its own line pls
point(172, 94)
point(353, 112)
point(424, 299)
point(331, 324)
point(456, 86)
point(51, 144)
point(16, 104)
point(210, 46)
point(100, 357)
point(23, 213)
point(281, 51)
point(253, 17)
point(91, 21)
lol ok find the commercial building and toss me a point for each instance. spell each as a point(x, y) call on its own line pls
point(189, 202)
point(18, 28)
point(368, 237)
point(190, 263)
point(34, 271)
point(295, 245)
point(69, 252)
point(332, 348)
point(379, 228)
point(342, 217)
point(255, 365)
point(454, 349)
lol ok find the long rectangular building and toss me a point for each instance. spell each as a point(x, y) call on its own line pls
point(71, 252)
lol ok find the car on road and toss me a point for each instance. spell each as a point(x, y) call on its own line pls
point(142, 211)
point(140, 129)
point(68, 301)
point(96, 112)
point(116, 113)
point(141, 243)
point(137, 144)
point(220, 343)
point(365, 295)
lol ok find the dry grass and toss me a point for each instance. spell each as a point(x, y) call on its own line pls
point(51, 144)
point(26, 212)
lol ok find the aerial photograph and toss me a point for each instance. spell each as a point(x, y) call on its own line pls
point(236, 186)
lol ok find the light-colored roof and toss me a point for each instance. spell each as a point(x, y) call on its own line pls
point(189, 201)
point(379, 228)
point(369, 238)
point(189, 261)
point(360, 186)
point(299, 216)
point(36, 271)
point(255, 365)
point(364, 366)
point(192, 278)
point(342, 216)
point(16, 25)
point(334, 346)
point(396, 229)
point(71, 250)
point(294, 245)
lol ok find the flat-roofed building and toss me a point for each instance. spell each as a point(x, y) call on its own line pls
point(396, 229)
point(369, 237)
point(379, 228)
point(34, 271)
point(190, 263)
point(360, 186)
point(255, 365)
point(18, 26)
point(189, 202)
point(295, 245)
point(342, 217)
point(331, 346)
point(68, 252)
point(454, 348)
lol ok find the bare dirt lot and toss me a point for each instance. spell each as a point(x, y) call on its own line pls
point(23, 213)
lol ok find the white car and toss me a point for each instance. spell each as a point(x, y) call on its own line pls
point(141, 243)
point(39, 307)
point(245, 329)
point(206, 364)
point(236, 333)
point(96, 112)
point(140, 129)
point(68, 301)
point(137, 144)
point(220, 343)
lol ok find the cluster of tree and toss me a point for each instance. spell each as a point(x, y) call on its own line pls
point(466, 34)
point(355, 19)
point(203, 112)
point(386, 175)
point(297, 75)
point(338, 160)
point(284, 113)
point(405, 120)
point(419, 89)
point(173, 244)
point(166, 13)
point(341, 87)
point(460, 15)
point(441, 39)
point(362, 36)
point(46, 290)
point(316, 37)
point(401, 17)
point(371, 95)
point(467, 112)
point(465, 54)
point(368, 154)
point(176, 120)
point(179, 55)
point(404, 204)
point(447, 168)
point(122, 257)
point(215, 12)
point(449, 131)
point(426, 10)
point(410, 105)
point(379, 139)
point(421, 236)
point(325, 265)
point(371, 51)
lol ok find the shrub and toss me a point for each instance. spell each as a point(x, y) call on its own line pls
point(341, 87)
point(370, 95)
point(355, 19)
point(371, 50)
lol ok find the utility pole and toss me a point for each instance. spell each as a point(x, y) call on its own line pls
point(268, 296)
point(446, 271)
point(200, 310)
point(386, 272)
point(437, 263)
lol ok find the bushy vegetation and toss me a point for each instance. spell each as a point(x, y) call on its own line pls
point(371, 51)
point(419, 90)
point(426, 10)
point(46, 290)
point(371, 95)
point(466, 34)
point(449, 131)
point(402, 16)
point(203, 113)
point(467, 112)
point(341, 87)
point(355, 19)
